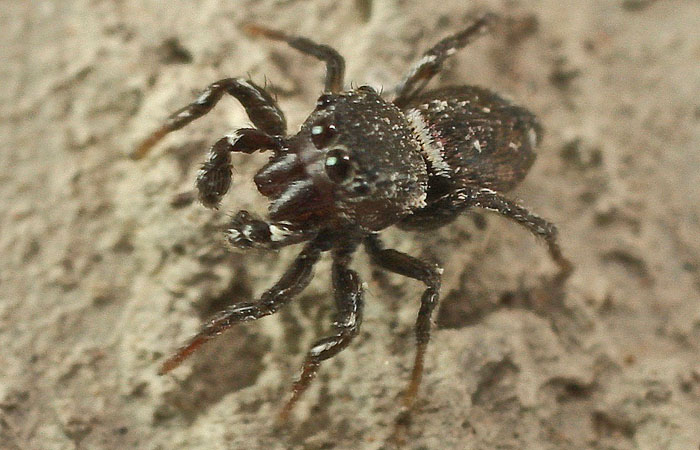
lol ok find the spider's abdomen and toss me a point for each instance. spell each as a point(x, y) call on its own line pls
point(472, 137)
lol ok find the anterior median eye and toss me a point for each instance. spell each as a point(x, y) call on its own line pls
point(338, 165)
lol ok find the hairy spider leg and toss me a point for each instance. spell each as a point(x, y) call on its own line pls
point(431, 63)
point(493, 201)
point(261, 108)
point(430, 275)
point(464, 199)
point(247, 231)
point(348, 293)
point(335, 64)
point(294, 280)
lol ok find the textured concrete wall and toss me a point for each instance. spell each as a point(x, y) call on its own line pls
point(103, 274)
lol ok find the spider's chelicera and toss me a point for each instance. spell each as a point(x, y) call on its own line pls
point(359, 164)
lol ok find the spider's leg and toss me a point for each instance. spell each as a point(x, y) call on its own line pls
point(335, 64)
point(430, 275)
point(431, 63)
point(214, 177)
point(493, 201)
point(294, 280)
point(260, 106)
point(348, 292)
point(247, 231)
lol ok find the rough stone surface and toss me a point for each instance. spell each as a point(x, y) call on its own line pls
point(102, 275)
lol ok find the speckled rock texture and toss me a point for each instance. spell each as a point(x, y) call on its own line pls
point(105, 269)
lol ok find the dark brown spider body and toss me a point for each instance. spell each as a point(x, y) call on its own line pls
point(354, 163)
point(471, 139)
point(359, 164)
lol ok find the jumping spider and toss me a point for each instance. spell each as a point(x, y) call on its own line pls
point(358, 165)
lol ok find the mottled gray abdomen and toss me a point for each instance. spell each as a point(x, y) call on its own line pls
point(472, 137)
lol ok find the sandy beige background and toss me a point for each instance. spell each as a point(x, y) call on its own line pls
point(103, 272)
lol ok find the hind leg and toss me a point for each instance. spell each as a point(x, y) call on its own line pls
point(492, 201)
point(431, 63)
point(463, 199)
point(430, 275)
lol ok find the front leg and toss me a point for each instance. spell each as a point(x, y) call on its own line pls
point(294, 280)
point(348, 293)
point(262, 110)
point(246, 231)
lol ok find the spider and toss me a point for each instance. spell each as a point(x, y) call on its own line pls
point(359, 164)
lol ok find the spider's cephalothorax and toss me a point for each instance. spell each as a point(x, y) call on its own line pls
point(354, 163)
point(358, 165)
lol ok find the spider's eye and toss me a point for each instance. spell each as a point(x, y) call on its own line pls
point(324, 100)
point(322, 133)
point(338, 165)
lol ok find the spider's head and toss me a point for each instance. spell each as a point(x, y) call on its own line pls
point(353, 162)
